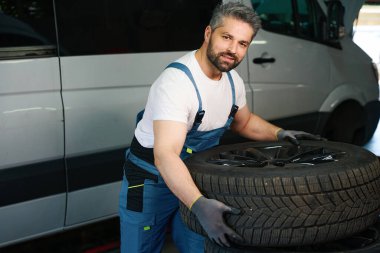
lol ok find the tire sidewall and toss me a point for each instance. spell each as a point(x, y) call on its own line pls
point(353, 158)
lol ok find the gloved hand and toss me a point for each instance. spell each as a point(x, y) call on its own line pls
point(293, 136)
point(210, 214)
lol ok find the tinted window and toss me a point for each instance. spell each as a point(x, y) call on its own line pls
point(305, 19)
point(301, 18)
point(120, 26)
point(26, 24)
point(276, 16)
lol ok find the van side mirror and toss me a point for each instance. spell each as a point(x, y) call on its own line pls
point(335, 20)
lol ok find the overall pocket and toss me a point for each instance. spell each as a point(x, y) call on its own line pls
point(136, 177)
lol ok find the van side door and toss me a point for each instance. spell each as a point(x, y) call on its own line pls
point(32, 173)
point(288, 63)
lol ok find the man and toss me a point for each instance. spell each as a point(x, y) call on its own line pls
point(189, 107)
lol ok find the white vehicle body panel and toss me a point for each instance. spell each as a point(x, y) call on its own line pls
point(102, 95)
point(31, 112)
point(31, 125)
point(281, 88)
point(92, 203)
point(346, 83)
point(34, 218)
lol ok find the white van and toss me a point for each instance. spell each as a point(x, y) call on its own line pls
point(74, 73)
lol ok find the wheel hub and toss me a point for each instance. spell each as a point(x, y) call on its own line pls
point(276, 155)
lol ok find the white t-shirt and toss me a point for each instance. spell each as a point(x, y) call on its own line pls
point(173, 97)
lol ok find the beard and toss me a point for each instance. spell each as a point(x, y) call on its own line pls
point(215, 59)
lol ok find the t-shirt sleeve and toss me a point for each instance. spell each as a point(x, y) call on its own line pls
point(170, 98)
point(241, 99)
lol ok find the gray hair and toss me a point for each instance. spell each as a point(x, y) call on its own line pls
point(238, 11)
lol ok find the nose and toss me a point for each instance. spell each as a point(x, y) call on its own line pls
point(232, 48)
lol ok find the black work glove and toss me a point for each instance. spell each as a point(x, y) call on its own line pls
point(210, 214)
point(293, 136)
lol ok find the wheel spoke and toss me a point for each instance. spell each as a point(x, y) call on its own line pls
point(277, 156)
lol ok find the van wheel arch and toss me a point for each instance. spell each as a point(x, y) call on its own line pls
point(347, 123)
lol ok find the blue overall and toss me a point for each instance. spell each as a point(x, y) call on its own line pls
point(147, 207)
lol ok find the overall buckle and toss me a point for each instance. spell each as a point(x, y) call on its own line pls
point(234, 109)
point(199, 117)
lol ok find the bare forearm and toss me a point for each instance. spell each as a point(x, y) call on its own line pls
point(257, 129)
point(177, 177)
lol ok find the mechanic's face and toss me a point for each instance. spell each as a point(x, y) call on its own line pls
point(228, 43)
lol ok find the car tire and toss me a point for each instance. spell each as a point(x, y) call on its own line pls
point(367, 241)
point(293, 203)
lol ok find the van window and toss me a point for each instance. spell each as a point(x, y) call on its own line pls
point(120, 26)
point(27, 29)
point(276, 16)
point(305, 19)
point(300, 18)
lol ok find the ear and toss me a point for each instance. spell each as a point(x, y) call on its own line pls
point(207, 35)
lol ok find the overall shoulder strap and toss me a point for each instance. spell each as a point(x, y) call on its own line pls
point(232, 87)
point(234, 107)
point(187, 71)
point(200, 113)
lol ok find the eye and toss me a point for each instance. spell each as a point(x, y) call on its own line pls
point(243, 44)
point(226, 37)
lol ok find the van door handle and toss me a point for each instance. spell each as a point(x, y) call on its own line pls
point(263, 60)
